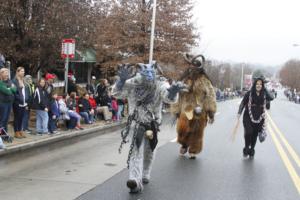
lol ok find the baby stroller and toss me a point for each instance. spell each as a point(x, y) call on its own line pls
point(5, 137)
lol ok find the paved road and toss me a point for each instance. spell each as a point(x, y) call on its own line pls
point(92, 168)
point(220, 172)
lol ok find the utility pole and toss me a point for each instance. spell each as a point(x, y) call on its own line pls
point(152, 32)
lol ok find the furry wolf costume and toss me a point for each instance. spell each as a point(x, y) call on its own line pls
point(145, 93)
point(195, 107)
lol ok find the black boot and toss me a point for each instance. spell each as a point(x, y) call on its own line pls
point(246, 151)
point(251, 153)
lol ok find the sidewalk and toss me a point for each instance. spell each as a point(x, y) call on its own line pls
point(32, 141)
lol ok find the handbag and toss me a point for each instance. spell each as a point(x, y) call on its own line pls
point(262, 136)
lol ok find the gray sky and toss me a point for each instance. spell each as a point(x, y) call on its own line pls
point(255, 31)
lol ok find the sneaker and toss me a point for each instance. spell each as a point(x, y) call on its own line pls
point(39, 133)
point(78, 128)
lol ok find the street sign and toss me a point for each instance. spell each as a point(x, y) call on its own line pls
point(68, 48)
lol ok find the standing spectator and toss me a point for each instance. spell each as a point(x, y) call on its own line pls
point(102, 92)
point(7, 91)
point(49, 85)
point(91, 88)
point(2, 61)
point(29, 84)
point(20, 105)
point(71, 104)
point(54, 113)
point(121, 103)
point(72, 85)
point(41, 104)
point(85, 109)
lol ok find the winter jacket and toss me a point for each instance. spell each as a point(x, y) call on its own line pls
point(114, 105)
point(41, 100)
point(7, 92)
point(71, 104)
point(86, 106)
point(93, 103)
point(21, 98)
point(54, 108)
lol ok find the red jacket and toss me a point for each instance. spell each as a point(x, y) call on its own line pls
point(93, 103)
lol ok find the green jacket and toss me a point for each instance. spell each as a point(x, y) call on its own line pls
point(6, 92)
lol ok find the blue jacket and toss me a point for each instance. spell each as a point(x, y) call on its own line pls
point(54, 108)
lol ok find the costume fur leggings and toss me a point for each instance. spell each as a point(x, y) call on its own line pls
point(141, 162)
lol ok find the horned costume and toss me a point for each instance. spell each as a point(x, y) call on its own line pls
point(145, 93)
point(195, 107)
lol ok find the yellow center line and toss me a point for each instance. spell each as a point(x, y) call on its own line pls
point(290, 149)
point(285, 159)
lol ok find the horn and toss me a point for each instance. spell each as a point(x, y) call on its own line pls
point(159, 69)
point(140, 66)
point(186, 58)
point(198, 64)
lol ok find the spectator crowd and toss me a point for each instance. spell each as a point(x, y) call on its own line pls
point(21, 96)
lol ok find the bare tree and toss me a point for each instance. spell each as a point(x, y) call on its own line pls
point(32, 30)
point(290, 73)
point(124, 32)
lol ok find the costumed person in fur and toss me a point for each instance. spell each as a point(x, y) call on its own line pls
point(145, 92)
point(254, 116)
point(195, 107)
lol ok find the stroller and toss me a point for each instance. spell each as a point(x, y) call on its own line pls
point(5, 137)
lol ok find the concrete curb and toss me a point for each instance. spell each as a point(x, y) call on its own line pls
point(100, 130)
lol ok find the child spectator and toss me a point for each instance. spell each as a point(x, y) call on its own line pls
point(93, 105)
point(54, 113)
point(121, 103)
point(114, 107)
point(41, 104)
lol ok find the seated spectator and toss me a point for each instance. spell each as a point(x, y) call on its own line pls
point(69, 115)
point(85, 109)
point(93, 105)
point(54, 113)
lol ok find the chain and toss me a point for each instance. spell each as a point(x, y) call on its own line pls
point(125, 132)
point(132, 145)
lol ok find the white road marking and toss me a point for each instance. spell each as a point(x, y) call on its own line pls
point(174, 140)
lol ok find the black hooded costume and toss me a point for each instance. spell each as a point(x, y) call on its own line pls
point(254, 117)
